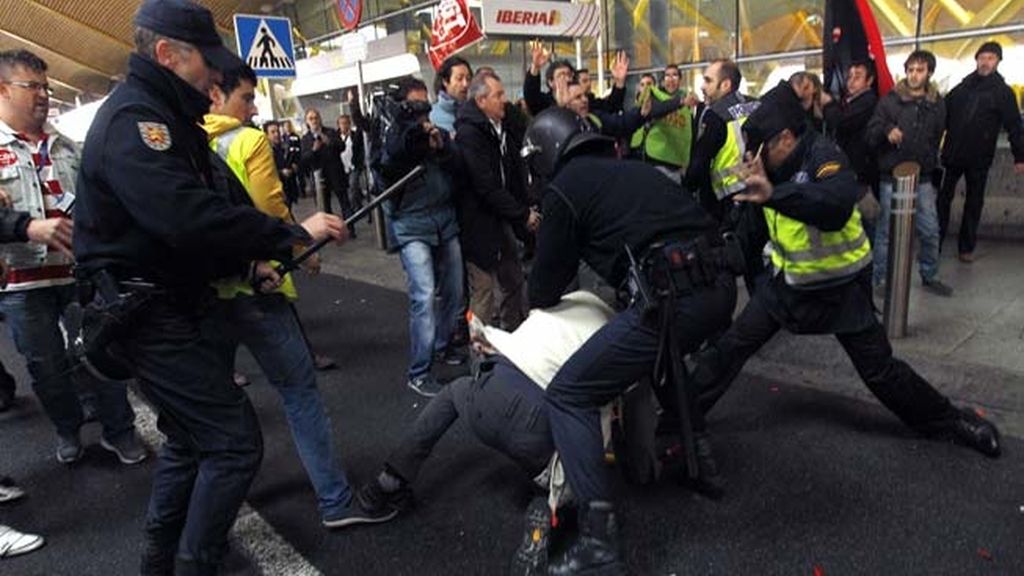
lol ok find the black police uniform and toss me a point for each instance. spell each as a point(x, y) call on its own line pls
point(149, 208)
point(593, 209)
point(817, 186)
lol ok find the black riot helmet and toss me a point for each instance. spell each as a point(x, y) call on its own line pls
point(555, 135)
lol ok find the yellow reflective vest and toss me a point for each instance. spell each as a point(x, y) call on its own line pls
point(727, 165)
point(248, 153)
point(667, 139)
point(808, 256)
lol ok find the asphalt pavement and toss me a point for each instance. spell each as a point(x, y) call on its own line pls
point(818, 481)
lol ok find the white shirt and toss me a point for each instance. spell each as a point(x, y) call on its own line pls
point(346, 156)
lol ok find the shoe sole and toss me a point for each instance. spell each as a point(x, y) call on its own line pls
point(124, 459)
point(353, 521)
point(11, 494)
point(24, 549)
point(73, 459)
point(423, 393)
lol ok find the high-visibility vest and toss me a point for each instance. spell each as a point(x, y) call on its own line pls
point(807, 255)
point(229, 146)
point(727, 165)
point(667, 139)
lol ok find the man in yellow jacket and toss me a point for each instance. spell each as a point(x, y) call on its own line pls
point(263, 320)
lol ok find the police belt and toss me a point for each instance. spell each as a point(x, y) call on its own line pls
point(683, 267)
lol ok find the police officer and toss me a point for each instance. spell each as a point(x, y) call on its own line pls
point(157, 219)
point(599, 211)
point(821, 282)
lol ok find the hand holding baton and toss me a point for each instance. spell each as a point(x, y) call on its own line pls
point(287, 267)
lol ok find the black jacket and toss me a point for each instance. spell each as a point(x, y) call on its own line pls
point(358, 149)
point(537, 101)
point(847, 122)
point(154, 202)
point(922, 121)
point(327, 159)
point(14, 225)
point(976, 109)
point(709, 137)
point(595, 207)
point(492, 190)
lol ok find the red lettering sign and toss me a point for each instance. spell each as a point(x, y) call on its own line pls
point(7, 158)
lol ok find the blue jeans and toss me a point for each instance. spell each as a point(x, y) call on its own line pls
point(268, 327)
point(926, 227)
point(429, 269)
point(34, 318)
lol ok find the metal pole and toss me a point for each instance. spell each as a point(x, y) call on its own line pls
point(900, 261)
point(600, 45)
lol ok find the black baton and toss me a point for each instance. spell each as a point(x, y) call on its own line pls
point(283, 269)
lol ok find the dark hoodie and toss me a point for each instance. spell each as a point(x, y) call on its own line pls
point(976, 110)
point(493, 188)
point(922, 121)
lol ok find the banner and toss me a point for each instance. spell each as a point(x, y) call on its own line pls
point(454, 29)
point(852, 36)
point(533, 19)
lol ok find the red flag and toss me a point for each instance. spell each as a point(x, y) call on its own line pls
point(852, 36)
point(454, 29)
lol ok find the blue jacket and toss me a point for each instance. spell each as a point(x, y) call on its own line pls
point(442, 114)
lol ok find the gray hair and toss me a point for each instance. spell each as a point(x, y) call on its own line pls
point(146, 39)
point(478, 87)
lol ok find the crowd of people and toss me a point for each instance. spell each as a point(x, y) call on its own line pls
point(662, 202)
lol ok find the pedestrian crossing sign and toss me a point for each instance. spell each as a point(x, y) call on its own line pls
point(265, 44)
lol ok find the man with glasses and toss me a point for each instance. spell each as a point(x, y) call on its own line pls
point(159, 217)
point(38, 170)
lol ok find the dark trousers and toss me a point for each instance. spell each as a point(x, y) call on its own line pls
point(620, 353)
point(183, 364)
point(340, 191)
point(892, 381)
point(504, 409)
point(973, 203)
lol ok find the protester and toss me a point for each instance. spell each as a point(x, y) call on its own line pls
point(451, 85)
point(321, 151)
point(907, 125)
point(40, 170)
point(976, 109)
point(494, 211)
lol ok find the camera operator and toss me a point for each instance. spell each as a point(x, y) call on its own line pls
point(423, 229)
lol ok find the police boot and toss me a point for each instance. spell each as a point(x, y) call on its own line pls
point(971, 430)
point(708, 481)
point(596, 550)
point(531, 559)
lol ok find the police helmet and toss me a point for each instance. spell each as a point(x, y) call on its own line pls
point(555, 135)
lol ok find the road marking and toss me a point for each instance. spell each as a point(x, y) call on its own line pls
point(258, 540)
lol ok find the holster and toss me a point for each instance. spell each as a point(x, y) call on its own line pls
point(109, 309)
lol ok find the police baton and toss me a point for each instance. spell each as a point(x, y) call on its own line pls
point(358, 215)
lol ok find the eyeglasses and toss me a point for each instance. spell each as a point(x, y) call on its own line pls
point(32, 86)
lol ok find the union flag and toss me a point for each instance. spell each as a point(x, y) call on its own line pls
point(453, 29)
point(851, 36)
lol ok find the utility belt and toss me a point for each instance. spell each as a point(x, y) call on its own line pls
point(110, 307)
point(674, 268)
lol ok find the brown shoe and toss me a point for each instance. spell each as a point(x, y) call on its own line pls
point(967, 257)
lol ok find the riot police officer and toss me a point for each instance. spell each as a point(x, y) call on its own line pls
point(157, 218)
point(821, 282)
point(606, 212)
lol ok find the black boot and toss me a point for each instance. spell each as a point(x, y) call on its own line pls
point(531, 559)
point(596, 550)
point(971, 430)
point(708, 482)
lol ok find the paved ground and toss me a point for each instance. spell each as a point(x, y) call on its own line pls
point(819, 476)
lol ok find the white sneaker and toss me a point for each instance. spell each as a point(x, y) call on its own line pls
point(13, 543)
point(9, 491)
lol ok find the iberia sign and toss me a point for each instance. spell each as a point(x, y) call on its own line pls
point(529, 18)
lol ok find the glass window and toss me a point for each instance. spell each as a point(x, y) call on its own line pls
point(949, 15)
point(780, 26)
point(895, 18)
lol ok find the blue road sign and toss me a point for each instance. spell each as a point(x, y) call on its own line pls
point(265, 44)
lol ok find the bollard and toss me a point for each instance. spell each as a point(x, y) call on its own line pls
point(379, 229)
point(900, 261)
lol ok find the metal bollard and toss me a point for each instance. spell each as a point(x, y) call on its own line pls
point(900, 261)
point(379, 229)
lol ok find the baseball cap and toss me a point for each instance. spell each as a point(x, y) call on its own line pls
point(188, 22)
point(780, 109)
